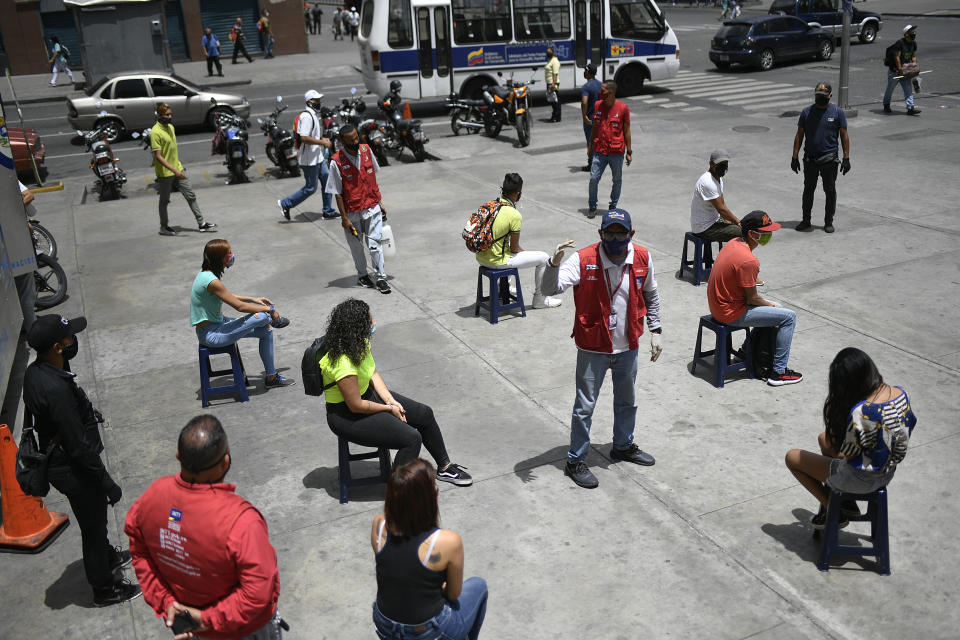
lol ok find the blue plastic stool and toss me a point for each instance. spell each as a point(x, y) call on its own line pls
point(723, 350)
point(702, 261)
point(236, 368)
point(493, 303)
point(876, 514)
point(345, 458)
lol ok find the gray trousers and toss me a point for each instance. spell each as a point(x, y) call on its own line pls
point(165, 186)
point(721, 230)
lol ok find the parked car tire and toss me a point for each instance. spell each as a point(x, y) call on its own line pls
point(112, 129)
point(767, 59)
point(215, 112)
point(868, 33)
point(825, 50)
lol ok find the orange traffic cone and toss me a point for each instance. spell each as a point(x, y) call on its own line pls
point(27, 525)
point(406, 111)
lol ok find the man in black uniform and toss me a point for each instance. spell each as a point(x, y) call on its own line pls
point(68, 429)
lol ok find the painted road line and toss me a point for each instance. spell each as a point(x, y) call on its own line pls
point(759, 100)
point(671, 105)
point(762, 95)
point(656, 100)
point(743, 89)
point(710, 85)
point(786, 103)
point(697, 108)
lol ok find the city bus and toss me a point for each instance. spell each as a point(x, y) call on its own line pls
point(439, 47)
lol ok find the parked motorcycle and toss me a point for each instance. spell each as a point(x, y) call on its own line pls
point(352, 111)
point(509, 105)
point(466, 115)
point(110, 177)
point(231, 139)
point(281, 145)
point(400, 132)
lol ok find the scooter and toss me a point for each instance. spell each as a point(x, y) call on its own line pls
point(509, 105)
point(466, 115)
point(281, 145)
point(400, 132)
point(231, 138)
point(110, 177)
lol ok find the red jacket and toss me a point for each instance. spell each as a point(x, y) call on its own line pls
point(359, 186)
point(592, 299)
point(206, 547)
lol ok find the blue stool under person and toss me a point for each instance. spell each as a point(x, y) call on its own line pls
point(723, 351)
point(499, 278)
point(347, 481)
point(879, 533)
point(702, 261)
point(236, 369)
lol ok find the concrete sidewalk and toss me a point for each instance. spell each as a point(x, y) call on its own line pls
point(712, 542)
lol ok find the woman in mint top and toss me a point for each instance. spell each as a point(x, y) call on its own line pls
point(363, 410)
point(217, 330)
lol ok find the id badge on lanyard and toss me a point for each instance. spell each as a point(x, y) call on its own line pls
point(613, 294)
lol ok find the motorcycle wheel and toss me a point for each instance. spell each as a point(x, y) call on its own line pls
point(43, 241)
point(492, 125)
point(237, 174)
point(51, 283)
point(418, 151)
point(523, 129)
point(380, 155)
point(455, 123)
point(294, 170)
point(272, 155)
point(112, 192)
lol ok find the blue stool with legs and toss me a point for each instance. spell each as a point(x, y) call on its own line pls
point(236, 368)
point(722, 351)
point(702, 261)
point(499, 278)
point(876, 514)
point(345, 458)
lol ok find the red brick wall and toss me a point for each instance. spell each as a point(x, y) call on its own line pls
point(286, 21)
point(194, 26)
point(23, 37)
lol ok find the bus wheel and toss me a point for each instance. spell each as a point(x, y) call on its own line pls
point(473, 89)
point(630, 81)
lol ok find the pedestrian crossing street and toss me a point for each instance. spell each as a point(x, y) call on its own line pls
point(695, 27)
point(725, 90)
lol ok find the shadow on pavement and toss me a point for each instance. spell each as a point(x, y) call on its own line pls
point(556, 458)
point(328, 479)
point(70, 588)
point(798, 537)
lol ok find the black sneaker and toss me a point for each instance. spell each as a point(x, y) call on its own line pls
point(633, 454)
point(455, 474)
point(283, 209)
point(280, 323)
point(585, 167)
point(804, 226)
point(828, 228)
point(365, 281)
point(329, 216)
point(592, 213)
point(913, 111)
point(168, 231)
point(819, 521)
point(278, 381)
point(207, 227)
point(887, 109)
point(121, 591)
point(580, 473)
point(789, 376)
point(382, 286)
point(119, 558)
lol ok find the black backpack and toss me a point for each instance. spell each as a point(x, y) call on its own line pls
point(763, 344)
point(64, 51)
point(31, 462)
point(310, 369)
point(890, 57)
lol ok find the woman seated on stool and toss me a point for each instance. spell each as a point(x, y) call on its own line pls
point(216, 330)
point(868, 424)
point(362, 410)
point(420, 588)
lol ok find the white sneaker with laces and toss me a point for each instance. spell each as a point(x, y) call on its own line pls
point(546, 302)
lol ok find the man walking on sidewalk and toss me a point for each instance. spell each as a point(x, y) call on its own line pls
point(900, 53)
point(589, 94)
point(211, 47)
point(611, 142)
point(170, 173)
point(237, 37)
point(311, 154)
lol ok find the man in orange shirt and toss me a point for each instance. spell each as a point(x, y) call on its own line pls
point(732, 293)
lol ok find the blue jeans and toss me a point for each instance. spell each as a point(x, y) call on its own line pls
point(784, 320)
point(256, 325)
point(459, 620)
point(311, 174)
point(905, 84)
point(600, 162)
point(591, 369)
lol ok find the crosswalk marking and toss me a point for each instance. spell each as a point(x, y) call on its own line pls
point(703, 93)
point(760, 94)
point(655, 100)
point(696, 108)
point(706, 85)
point(671, 105)
point(755, 107)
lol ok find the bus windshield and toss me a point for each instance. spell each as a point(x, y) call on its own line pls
point(635, 19)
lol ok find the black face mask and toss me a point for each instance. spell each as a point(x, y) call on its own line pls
point(69, 353)
point(822, 101)
point(720, 170)
point(352, 149)
point(164, 119)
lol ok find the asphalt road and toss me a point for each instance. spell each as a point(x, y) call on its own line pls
point(66, 157)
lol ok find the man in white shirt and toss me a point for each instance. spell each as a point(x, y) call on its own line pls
point(710, 218)
point(312, 156)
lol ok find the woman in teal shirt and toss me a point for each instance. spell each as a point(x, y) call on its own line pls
point(362, 409)
point(216, 330)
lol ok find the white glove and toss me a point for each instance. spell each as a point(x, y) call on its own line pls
point(558, 254)
point(656, 346)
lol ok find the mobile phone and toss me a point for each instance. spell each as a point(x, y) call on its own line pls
point(182, 622)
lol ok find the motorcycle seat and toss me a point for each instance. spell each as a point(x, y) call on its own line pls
point(472, 103)
point(408, 123)
point(497, 90)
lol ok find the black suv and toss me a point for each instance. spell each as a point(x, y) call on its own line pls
point(828, 16)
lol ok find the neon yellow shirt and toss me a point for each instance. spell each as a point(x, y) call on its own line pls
point(342, 368)
point(508, 221)
point(163, 138)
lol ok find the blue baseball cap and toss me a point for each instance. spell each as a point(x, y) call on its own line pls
point(616, 216)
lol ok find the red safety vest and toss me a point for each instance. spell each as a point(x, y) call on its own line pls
point(591, 330)
point(359, 186)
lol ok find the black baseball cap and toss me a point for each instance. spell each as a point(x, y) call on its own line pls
point(591, 69)
point(51, 329)
point(757, 221)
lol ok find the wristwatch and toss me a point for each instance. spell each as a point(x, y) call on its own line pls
point(630, 151)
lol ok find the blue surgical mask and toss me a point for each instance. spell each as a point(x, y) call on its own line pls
point(373, 329)
point(614, 247)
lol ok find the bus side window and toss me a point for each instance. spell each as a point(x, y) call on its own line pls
point(480, 21)
point(541, 19)
point(400, 29)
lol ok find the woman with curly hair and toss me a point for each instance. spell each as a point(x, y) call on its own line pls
point(362, 409)
point(868, 425)
point(215, 329)
point(421, 592)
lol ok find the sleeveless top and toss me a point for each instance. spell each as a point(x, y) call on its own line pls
point(407, 591)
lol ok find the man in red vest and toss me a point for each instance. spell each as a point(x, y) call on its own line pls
point(201, 552)
point(353, 180)
point(614, 287)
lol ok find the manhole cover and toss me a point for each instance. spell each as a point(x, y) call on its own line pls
point(751, 128)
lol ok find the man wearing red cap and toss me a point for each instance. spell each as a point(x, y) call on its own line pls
point(732, 293)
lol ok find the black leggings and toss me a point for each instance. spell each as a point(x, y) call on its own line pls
point(827, 172)
point(386, 430)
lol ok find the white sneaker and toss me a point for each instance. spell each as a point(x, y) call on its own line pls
point(513, 290)
point(546, 302)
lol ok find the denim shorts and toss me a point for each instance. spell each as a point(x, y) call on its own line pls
point(844, 477)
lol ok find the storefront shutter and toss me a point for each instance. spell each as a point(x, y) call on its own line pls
point(220, 15)
point(176, 33)
point(61, 24)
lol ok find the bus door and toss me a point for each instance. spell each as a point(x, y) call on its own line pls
point(434, 54)
point(598, 40)
point(580, 33)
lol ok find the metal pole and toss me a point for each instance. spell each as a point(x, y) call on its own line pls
point(844, 97)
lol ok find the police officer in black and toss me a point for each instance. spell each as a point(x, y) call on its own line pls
point(68, 429)
point(822, 124)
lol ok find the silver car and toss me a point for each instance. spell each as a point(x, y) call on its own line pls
point(127, 102)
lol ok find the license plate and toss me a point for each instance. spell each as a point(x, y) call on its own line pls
point(723, 58)
point(106, 170)
point(238, 153)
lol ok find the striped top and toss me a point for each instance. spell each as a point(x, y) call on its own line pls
point(878, 433)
